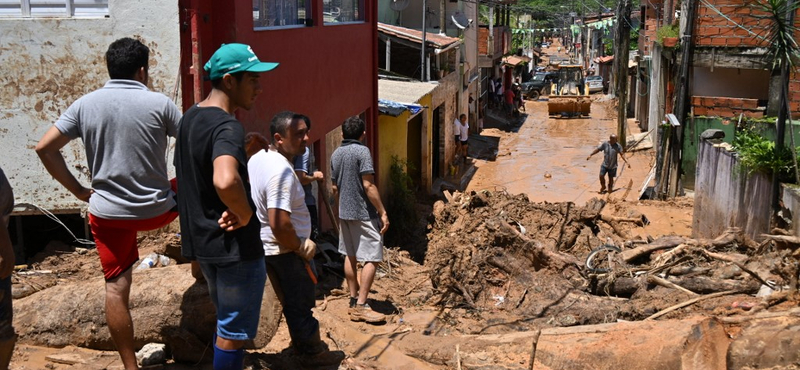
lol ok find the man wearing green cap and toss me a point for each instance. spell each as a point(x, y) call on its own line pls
point(217, 225)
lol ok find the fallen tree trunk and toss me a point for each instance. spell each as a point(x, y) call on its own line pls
point(694, 343)
point(626, 286)
point(167, 306)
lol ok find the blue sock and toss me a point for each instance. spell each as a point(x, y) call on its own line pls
point(228, 359)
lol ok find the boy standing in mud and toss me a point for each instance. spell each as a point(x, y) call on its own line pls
point(217, 225)
point(362, 218)
point(124, 128)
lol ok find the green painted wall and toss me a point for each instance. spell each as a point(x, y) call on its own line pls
point(696, 126)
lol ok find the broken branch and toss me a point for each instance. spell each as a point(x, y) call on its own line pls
point(689, 303)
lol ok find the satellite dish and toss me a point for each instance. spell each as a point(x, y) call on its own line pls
point(460, 20)
point(398, 5)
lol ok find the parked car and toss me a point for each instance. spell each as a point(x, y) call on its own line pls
point(595, 83)
point(538, 85)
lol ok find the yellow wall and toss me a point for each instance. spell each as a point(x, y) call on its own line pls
point(392, 138)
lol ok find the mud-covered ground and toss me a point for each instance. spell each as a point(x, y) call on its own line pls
point(505, 256)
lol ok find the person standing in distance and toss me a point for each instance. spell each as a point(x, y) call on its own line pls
point(217, 225)
point(610, 150)
point(362, 218)
point(124, 129)
point(461, 131)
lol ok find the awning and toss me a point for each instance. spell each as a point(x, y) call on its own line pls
point(434, 39)
point(516, 60)
point(395, 97)
point(605, 59)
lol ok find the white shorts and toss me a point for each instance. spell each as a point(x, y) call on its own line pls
point(361, 239)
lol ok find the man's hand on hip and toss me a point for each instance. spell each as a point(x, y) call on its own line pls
point(231, 221)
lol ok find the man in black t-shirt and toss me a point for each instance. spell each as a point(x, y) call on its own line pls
point(218, 229)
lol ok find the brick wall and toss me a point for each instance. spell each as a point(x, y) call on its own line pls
point(712, 29)
point(713, 106)
point(483, 35)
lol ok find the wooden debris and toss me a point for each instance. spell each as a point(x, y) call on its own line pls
point(689, 303)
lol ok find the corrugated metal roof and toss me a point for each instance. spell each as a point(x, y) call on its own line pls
point(413, 35)
point(404, 92)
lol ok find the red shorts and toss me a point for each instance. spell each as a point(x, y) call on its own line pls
point(116, 240)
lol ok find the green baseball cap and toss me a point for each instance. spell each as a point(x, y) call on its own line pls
point(232, 58)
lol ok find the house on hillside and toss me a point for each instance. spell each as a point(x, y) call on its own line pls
point(494, 42)
point(729, 77)
point(326, 50)
point(399, 51)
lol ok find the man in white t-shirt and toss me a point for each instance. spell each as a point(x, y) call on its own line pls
point(461, 132)
point(285, 229)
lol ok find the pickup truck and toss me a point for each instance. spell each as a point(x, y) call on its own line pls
point(538, 85)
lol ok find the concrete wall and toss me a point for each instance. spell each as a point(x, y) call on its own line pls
point(447, 96)
point(730, 82)
point(50, 62)
point(725, 196)
point(791, 201)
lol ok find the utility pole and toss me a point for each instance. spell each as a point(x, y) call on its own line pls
point(442, 17)
point(783, 114)
point(422, 46)
point(682, 99)
point(621, 67)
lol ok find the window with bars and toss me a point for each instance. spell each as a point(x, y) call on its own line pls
point(54, 8)
point(343, 11)
point(280, 13)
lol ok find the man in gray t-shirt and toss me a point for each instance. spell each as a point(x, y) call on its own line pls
point(124, 129)
point(362, 218)
point(610, 150)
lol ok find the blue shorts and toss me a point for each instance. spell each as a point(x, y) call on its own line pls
point(612, 172)
point(236, 289)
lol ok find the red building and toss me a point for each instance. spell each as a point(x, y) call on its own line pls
point(327, 52)
point(328, 67)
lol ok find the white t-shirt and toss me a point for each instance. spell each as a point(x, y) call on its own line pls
point(273, 184)
point(462, 131)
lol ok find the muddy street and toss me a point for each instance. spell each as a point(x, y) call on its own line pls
point(546, 159)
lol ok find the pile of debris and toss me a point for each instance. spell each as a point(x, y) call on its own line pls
point(522, 264)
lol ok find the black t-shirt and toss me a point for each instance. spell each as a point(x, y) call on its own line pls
point(203, 135)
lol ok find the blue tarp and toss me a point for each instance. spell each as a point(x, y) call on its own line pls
point(395, 109)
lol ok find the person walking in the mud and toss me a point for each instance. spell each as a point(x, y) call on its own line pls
point(7, 335)
point(124, 129)
point(610, 149)
point(362, 218)
point(217, 225)
point(461, 131)
point(286, 235)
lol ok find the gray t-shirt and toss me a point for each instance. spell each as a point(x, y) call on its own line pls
point(124, 128)
point(348, 163)
point(6, 199)
point(302, 163)
point(610, 154)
